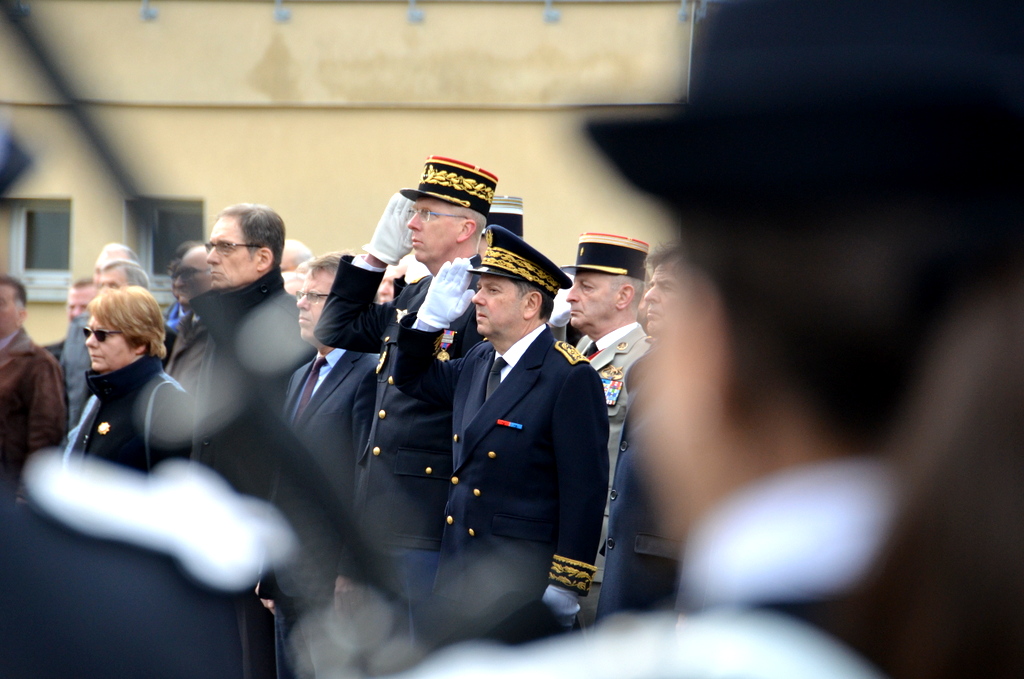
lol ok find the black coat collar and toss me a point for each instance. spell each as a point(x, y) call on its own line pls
point(222, 310)
point(115, 384)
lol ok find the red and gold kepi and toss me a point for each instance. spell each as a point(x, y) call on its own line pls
point(510, 256)
point(456, 182)
point(607, 253)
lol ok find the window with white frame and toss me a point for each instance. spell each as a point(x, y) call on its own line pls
point(40, 246)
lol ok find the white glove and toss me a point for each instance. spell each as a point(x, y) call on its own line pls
point(448, 296)
point(561, 312)
point(563, 604)
point(392, 238)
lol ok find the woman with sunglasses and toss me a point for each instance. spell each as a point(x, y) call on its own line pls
point(137, 414)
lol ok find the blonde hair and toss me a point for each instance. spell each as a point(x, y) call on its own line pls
point(134, 312)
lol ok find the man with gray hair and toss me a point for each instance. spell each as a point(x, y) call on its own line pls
point(295, 253)
point(120, 273)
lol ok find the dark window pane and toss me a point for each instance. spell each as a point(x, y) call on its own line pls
point(174, 225)
point(47, 239)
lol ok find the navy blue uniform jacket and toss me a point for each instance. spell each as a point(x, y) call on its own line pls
point(537, 482)
point(396, 501)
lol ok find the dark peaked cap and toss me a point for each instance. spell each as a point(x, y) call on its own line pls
point(801, 99)
point(510, 256)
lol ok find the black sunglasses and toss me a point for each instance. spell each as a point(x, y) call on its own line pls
point(101, 335)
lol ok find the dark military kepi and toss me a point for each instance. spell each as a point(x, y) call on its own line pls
point(530, 465)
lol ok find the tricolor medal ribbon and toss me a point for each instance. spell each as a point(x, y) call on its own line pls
point(447, 337)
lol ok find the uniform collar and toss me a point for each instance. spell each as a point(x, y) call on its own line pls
point(616, 334)
point(516, 351)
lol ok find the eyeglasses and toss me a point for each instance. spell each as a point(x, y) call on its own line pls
point(224, 249)
point(185, 272)
point(426, 215)
point(313, 297)
point(101, 335)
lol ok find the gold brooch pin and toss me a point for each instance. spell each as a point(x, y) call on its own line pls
point(104, 428)
point(621, 346)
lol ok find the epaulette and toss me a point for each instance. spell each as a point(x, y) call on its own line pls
point(418, 279)
point(574, 575)
point(571, 353)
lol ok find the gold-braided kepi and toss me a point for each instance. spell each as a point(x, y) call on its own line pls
point(510, 256)
point(456, 182)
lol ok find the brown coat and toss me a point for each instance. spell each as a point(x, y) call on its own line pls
point(32, 411)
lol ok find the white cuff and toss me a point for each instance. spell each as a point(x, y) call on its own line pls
point(360, 261)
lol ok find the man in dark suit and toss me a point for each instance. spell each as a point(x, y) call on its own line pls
point(402, 472)
point(530, 469)
point(251, 322)
point(324, 406)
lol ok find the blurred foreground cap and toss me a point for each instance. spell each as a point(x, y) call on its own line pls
point(796, 100)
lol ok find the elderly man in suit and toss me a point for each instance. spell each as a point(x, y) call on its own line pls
point(530, 432)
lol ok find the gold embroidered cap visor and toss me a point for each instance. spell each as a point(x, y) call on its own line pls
point(606, 253)
point(510, 256)
point(457, 183)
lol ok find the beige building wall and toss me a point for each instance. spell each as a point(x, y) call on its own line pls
point(325, 115)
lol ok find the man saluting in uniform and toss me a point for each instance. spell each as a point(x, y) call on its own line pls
point(400, 479)
point(530, 431)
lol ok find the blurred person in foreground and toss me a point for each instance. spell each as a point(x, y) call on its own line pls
point(138, 415)
point(838, 416)
point(31, 386)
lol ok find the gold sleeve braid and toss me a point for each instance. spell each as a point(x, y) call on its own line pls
point(573, 575)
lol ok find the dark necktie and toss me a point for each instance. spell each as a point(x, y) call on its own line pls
point(494, 378)
point(592, 350)
point(307, 389)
